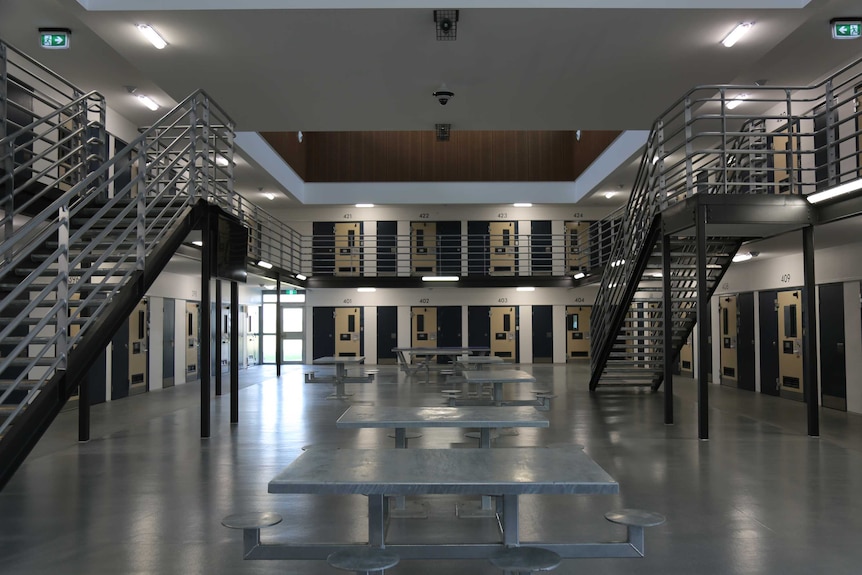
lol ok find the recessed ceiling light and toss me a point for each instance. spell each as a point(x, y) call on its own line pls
point(523, 205)
point(731, 104)
point(525, 288)
point(198, 243)
point(364, 205)
point(301, 277)
point(366, 290)
point(152, 36)
point(440, 278)
point(265, 264)
point(741, 257)
point(741, 30)
point(835, 191)
point(221, 160)
point(579, 276)
point(147, 101)
point(609, 195)
point(269, 196)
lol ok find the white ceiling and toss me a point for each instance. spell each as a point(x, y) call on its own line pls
point(513, 66)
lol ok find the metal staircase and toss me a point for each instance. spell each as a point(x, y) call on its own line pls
point(736, 175)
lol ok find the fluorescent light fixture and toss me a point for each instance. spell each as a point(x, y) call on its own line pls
point(198, 243)
point(301, 277)
point(221, 160)
point(152, 36)
point(269, 196)
point(364, 205)
point(835, 192)
point(366, 290)
point(264, 264)
point(731, 104)
point(523, 205)
point(147, 101)
point(525, 288)
point(579, 276)
point(609, 195)
point(741, 257)
point(440, 278)
point(741, 30)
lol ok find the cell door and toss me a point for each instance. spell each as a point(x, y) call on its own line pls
point(423, 247)
point(169, 336)
point(577, 332)
point(322, 332)
point(192, 340)
point(822, 147)
point(387, 248)
point(449, 248)
point(479, 326)
point(322, 248)
point(138, 331)
point(504, 332)
point(543, 334)
point(387, 334)
point(727, 324)
point(833, 363)
point(448, 328)
point(745, 341)
point(348, 331)
point(503, 247)
point(348, 249)
point(577, 244)
point(120, 362)
point(423, 327)
point(790, 344)
point(768, 318)
point(541, 248)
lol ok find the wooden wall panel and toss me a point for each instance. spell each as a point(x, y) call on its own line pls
point(288, 146)
point(470, 156)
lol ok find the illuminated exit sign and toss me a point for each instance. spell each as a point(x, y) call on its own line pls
point(54, 39)
point(847, 29)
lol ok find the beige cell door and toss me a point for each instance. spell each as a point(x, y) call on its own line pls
point(686, 358)
point(504, 332)
point(423, 247)
point(138, 337)
point(192, 340)
point(790, 344)
point(503, 247)
point(727, 317)
point(785, 161)
point(578, 332)
point(348, 249)
point(348, 331)
point(423, 326)
point(577, 246)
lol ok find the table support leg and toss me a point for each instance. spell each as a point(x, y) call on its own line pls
point(376, 520)
point(510, 520)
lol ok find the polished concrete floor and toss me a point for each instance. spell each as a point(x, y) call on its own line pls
point(147, 494)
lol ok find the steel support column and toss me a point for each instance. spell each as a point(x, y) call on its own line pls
point(206, 323)
point(234, 352)
point(703, 331)
point(667, 318)
point(809, 333)
point(219, 337)
point(278, 326)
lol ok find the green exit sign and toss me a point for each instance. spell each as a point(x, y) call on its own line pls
point(290, 292)
point(54, 39)
point(846, 29)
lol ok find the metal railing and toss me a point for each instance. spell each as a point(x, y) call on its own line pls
point(723, 139)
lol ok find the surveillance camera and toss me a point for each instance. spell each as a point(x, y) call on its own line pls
point(443, 96)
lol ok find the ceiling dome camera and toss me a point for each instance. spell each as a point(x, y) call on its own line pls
point(443, 96)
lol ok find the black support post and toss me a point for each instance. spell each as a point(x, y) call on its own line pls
point(703, 328)
point(234, 352)
point(278, 326)
point(206, 324)
point(809, 333)
point(219, 336)
point(84, 409)
point(667, 313)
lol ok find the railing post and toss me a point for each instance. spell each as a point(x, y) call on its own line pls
point(724, 178)
point(790, 157)
point(689, 176)
point(62, 348)
point(831, 156)
point(195, 188)
point(8, 154)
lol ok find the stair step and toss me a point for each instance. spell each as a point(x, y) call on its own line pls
point(23, 385)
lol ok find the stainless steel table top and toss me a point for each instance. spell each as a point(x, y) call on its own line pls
point(330, 360)
point(511, 471)
point(499, 376)
point(472, 416)
point(480, 359)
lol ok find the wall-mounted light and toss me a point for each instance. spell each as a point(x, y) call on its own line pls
point(731, 104)
point(198, 243)
point(264, 264)
point(609, 195)
point(366, 290)
point(835, 192)
point(741, 257)
point(579, 276)
point(440, 278)
point(525, 288)
point(143, 99)
point(221, 161)
point(364, 205)
point(741, 30)
point(153, 36)
point(301, 277)
point(269, 196)
point(523, 205)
